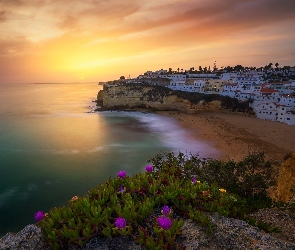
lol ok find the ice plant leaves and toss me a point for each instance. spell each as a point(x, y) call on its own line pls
point(144, 205)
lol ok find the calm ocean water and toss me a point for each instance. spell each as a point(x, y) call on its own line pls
point(52, 149)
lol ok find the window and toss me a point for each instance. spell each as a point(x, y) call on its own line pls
point(288, 119)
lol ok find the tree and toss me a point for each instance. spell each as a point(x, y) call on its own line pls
point(277, 65)
point(122, 77)
point(200, 68)
point(228, 69)
point(170, 70)
point(239, 68)
point(178, 70)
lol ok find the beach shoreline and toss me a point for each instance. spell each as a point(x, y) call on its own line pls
point(236, 135)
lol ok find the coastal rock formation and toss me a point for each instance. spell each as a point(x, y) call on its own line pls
point(148, 97)
point(286, 179)
point(228, 233)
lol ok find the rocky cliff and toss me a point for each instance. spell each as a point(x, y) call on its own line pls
point(150, 97)
point(286, 179)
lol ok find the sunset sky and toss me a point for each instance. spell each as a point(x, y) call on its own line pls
point(99, 40)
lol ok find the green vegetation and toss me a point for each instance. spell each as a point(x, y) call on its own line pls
point(227, 102)
point(184, 186)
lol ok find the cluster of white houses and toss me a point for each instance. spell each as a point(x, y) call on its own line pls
point(273, 101)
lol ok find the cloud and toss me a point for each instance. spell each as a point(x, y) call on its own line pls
point(130, 18)
point(2, 16)
point(74, 34)
point(13, 47)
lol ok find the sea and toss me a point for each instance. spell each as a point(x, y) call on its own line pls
point(53, 146)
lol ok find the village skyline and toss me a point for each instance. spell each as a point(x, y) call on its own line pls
point(268, 91)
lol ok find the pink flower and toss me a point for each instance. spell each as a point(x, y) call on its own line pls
point(194, 180)
point(149, 168)
point(122, 190)
point(39, 216)
point(120, 223)
point(121, 174)
point(166, 210)
point(164, 222)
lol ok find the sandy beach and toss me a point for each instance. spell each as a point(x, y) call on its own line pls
point(236, 135)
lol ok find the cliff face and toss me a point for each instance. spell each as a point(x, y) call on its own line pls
point(155, 97)
point(286, 179)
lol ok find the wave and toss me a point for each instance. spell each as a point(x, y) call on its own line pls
point(170, 133)
point(17, 193)
point(7, 195)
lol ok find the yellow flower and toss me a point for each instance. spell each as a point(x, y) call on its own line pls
point(222, 190)
point(198, 182)
point(75, 198)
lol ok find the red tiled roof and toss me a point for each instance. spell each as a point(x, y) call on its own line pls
point(280, 82)
point(268, 90)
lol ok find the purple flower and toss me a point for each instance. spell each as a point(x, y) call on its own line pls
point(164, 222)
point(122, 190)
point(120, 223)
point(166, 210)
point(39, 216)
point(149, 168)
point(121, 174)
point(194, 180)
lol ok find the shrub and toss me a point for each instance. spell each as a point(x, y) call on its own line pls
point(151, 206)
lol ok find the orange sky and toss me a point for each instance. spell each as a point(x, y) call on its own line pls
point(96, 40)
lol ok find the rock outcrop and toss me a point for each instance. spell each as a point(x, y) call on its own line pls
point(286, 179)
point(148, 97)
point(228, 233)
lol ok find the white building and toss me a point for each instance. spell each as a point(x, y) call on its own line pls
point(266, 111)
point(201, 75)
point(282, 111)
point(288, 99)
point(228, 76)
point(199, 85)
point(229, 89)
point(175, 77)
point(243, 96)
point(290, 117)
